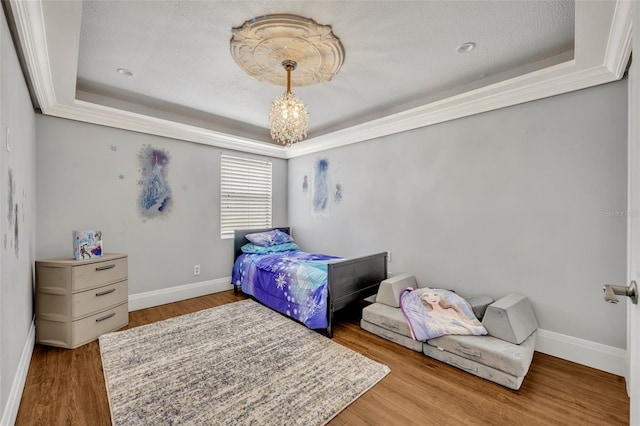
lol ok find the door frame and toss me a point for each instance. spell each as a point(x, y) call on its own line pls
point(633, 228)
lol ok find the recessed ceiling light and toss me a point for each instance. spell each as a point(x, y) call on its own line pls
point(125, 71)
point(466, 47)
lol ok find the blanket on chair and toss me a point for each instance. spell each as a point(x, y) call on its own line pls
point(433, 312)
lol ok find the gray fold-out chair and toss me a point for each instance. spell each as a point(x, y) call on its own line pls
point(503, 356)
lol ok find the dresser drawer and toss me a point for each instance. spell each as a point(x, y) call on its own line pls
point(53, 307)
point(53, 278)
point(98, 299)
point(98, 274)
point(92, 327)
point(53, 333)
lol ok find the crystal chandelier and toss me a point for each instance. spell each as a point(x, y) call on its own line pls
point(288, 117)
point(261, 46)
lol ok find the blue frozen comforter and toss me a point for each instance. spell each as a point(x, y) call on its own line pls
point(293, 283)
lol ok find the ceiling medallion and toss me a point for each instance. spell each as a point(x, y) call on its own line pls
point(261, 45)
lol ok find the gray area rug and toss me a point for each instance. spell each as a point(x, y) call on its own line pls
point(239, 363)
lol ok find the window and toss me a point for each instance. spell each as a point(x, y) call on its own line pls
point(245, 194)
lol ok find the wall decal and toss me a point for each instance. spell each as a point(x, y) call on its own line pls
point(11, 196)
point(337, 195)
point(114, 148)
point(13, 214)
point(155, 198)
point(16, 246)
point(321, 188)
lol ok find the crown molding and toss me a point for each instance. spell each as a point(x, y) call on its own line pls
point(593, 64)
point(49, 37)
point(31, 33)
point(619, 47)
point(54, 80)
point(113, 117)
point(548, 82)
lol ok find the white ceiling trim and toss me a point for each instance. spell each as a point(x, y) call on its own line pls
point(33, 41)
point(54, 80)
point(620, 38)
point(98, 114)
point(50, 40)
point(595, 62)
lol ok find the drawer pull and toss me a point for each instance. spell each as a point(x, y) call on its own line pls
point(103, 293)
point(106, 317)
point(104, 268)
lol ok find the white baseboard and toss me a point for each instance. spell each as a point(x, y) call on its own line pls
point(178, 293)
point(595, 355)
point(13, 403)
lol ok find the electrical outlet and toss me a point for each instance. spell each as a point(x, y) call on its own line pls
point(196, 269)
point(388, 256)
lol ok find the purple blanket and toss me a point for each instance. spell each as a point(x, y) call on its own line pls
point(433, 312)
point(293, 283)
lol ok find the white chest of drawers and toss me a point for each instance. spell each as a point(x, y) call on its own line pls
point(78, 300)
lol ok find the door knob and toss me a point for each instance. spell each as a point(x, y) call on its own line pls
point(631, 291)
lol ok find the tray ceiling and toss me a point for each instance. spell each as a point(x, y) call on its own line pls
point(401, 68)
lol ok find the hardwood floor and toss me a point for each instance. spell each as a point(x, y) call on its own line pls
point(66, 387)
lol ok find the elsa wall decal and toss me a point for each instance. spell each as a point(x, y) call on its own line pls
point(155, 197)
point(337, 195)
point(321, 188)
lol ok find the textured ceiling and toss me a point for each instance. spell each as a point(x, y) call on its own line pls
point(401, 69)
point(399, 54)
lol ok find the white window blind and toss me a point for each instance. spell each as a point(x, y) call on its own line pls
point(245, 192)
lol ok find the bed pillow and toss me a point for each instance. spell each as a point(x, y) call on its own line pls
point(433, 312)
point(253, 248)
point(269, 238)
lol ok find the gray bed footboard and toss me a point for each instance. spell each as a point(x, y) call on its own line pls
point(351, 280)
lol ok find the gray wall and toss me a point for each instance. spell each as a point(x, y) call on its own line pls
point(18, 231)
point(527, 199)
point(88, 179)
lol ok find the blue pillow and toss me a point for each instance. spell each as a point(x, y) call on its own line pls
point(269, 238)
point(253, 248)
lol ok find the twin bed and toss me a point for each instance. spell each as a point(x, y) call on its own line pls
point(305, 286)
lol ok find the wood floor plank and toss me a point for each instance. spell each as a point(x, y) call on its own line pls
point(66, 387)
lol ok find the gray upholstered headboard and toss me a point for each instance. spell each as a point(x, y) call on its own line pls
point(239, 238)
